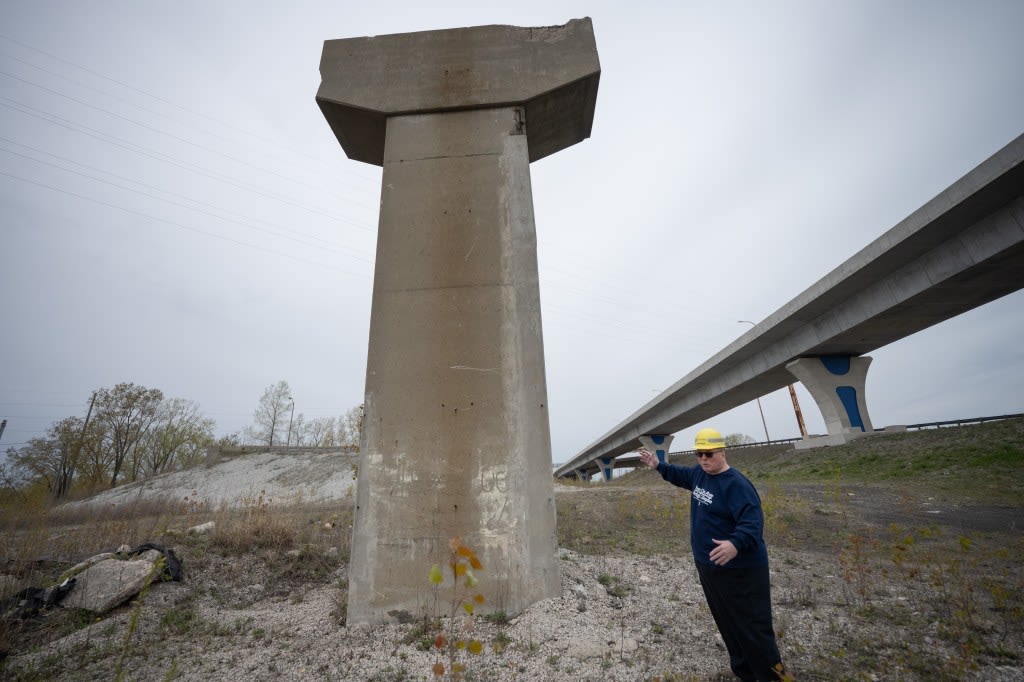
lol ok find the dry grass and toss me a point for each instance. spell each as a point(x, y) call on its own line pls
point(897, 592)
point(289, 546)
point(906, 547)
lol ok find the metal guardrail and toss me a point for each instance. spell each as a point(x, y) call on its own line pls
point(923, 425)
point(962, 422)
point(738, 446)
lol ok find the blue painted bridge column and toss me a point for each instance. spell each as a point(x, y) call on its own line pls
point(836, 382)
point(658, 444)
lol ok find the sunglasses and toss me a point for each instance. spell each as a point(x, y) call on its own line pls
point(709, 455)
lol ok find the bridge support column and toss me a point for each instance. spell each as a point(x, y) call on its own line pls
point(456, 441)
point(607, 467)
point(836, 382)
point(658, 444)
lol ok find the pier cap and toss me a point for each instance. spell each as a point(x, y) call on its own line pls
point(551, 71)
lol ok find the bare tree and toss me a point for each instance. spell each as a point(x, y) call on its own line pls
point(319, 432)
point(52, 459)
point(178, 438)
point(737, 439)
point(13, 479)
point(94, 457)
point(350, 427)
point(126, 413)
point(231, 440)
point(272, 414)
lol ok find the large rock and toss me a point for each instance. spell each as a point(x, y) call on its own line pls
point(109, 583)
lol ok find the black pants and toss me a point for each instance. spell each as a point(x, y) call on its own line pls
point(740, 601)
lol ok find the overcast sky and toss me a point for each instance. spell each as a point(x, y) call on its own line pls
point(175, 211)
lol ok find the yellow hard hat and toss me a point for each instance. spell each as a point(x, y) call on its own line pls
point(709, 439)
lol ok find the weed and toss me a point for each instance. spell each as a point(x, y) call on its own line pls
point(856, 566)
point(422, 635)
point(462, 561)
point(498, 617)
point(133, 622)
point(254, 528)
point(500, 642)
point(179, 621)
point(614, 586)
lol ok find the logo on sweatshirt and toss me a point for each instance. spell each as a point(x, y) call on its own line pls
point(704, 497)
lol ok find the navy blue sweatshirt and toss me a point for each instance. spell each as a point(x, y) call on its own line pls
point(724, 507)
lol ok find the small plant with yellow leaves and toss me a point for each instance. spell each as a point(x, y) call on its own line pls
point(454, 643)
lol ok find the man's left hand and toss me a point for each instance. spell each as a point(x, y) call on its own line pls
point(723, 553)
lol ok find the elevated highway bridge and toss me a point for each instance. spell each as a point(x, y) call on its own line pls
point(962, 249)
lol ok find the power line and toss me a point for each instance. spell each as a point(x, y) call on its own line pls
point(287, 234)
point(591, 293)
point(145, 126)
point(231, 126)
point(42, 404)
point(586, 292)
point(159, 156)
point(177, 224)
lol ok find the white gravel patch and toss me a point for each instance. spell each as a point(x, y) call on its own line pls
point(292, 478)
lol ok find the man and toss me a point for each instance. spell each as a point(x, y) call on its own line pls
point(726, 534)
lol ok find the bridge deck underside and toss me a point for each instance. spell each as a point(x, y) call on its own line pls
point(961, 250)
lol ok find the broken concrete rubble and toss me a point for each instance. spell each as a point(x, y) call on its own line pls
point(98, 584)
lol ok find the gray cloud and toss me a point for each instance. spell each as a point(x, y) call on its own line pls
point(176, 212)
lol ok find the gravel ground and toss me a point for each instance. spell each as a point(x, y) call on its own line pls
point(224, 623)
point(298, 476)
point(659, 627)
point(260, 615)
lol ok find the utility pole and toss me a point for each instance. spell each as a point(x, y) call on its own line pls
point(792, 397)
point(763, 422)
point(78, 446)
point(3, 425)
point(288, 443)
point(85, 425)
point(799, 414)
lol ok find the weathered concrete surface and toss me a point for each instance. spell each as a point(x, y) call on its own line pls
point(456, 436)
point(551, 71)
point(456, 432)
point(839, 391)
point(110, 582)
point(267, 477)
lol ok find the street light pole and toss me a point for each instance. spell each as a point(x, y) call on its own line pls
point(289, 441)
point(763, 423)
point(758, 399)
point(792, 397)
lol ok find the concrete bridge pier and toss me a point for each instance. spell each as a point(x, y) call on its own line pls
point(836, 382)
point(456, 441)
point(658, 444)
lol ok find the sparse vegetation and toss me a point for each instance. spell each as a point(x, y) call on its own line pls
point(883, 567)
point(454, 628)
point(613, 585)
